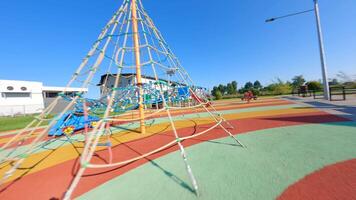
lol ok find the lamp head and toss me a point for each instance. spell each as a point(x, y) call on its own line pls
point(270, 20)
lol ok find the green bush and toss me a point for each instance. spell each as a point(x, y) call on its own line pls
point(279, 88)
point(218, 95)
point(314, 85)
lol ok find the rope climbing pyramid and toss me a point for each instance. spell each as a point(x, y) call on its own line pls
point(140, 79)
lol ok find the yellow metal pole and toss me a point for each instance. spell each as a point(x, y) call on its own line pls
point(138, 65)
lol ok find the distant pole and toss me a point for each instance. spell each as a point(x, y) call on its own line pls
point(138, 65)
point(322, 52)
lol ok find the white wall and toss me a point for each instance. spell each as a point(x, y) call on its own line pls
point(27, 100)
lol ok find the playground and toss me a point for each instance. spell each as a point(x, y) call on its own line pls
point(292, 152)
point(150, 132)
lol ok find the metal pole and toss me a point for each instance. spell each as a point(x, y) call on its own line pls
point(322, 52)
point(138, 65)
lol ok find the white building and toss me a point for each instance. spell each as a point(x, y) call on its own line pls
point(28, 97)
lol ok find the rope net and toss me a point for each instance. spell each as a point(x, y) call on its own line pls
point(129, 42)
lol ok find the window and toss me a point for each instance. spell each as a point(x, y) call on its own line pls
point(16, 95)
point(51, 94)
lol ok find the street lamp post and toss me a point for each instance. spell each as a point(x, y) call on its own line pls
point(321, 45)
point(322, 52)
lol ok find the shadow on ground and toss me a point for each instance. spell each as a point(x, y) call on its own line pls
point(345, 111)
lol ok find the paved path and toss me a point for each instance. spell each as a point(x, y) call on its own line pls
point(346, 109)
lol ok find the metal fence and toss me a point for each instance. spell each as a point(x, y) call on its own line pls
point(336, 93)
point(340, 93)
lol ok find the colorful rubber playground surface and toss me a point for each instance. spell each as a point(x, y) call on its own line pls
point(293, 151)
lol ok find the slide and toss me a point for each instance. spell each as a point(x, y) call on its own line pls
point(76, 121)
point(198, 99)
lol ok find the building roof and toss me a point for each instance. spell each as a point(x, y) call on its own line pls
point(61, 89)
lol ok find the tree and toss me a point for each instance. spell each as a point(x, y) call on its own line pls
point(215, 89)
point(248, 86)
point(242, 90)
point(230, 89)
point(314, 85)
point(218, 95)
point(298, 81)
point(222, 88)
point(257, 85)
point(234, 85)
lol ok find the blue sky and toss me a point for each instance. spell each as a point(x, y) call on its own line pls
point(216, 41)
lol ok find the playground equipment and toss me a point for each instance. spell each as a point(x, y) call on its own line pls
point(248, 96)
point(71, 122)
point(130, 42)
point(126, 99)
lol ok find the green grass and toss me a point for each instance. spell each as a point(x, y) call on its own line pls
point(17, 122)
